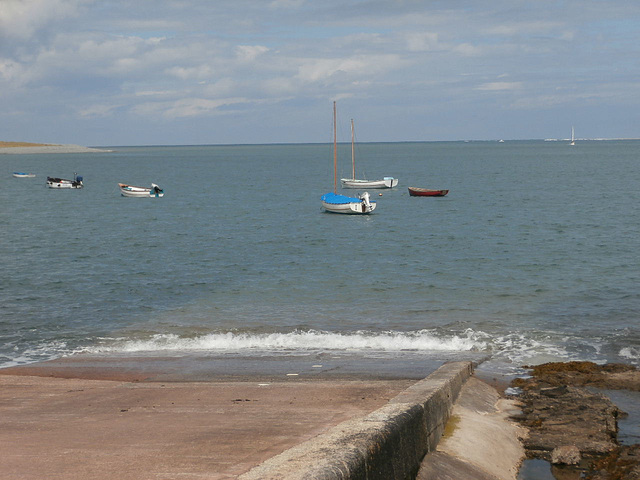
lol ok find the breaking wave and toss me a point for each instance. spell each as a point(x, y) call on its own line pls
point(300, 340)
point(630, 353)
point(511, 349)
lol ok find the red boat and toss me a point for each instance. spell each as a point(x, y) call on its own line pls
point(425, 192)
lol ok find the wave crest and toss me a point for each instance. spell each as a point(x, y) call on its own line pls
point(422, 340)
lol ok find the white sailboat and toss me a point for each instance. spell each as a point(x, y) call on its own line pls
point(334, 202)
point(573, 139)
point(386, 182)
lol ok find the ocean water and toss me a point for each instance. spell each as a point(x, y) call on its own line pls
point(532, 257)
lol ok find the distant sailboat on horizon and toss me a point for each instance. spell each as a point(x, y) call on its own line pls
point(573, 138)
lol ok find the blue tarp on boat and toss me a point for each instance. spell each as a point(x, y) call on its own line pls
point(337, 199)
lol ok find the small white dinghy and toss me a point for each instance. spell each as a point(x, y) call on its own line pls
point(23, 175)
point(55, 182)
point(133, 191)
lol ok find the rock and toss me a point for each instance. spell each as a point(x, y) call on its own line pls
point(554, 391)
point(573, 427)
point(608, 376)
point(567, 416)
point(566, 454)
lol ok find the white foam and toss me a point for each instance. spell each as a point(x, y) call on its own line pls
point(39, 353)
point(519, 349)
point(300, 340)
point(630, 353)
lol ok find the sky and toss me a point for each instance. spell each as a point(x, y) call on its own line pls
point(192, 72)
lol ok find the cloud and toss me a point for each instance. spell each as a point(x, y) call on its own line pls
point(525, 28)
point(500, 86)
point(469, 50)
point(10, 71)
point(21, 19)
point(189, 73)
point(422, 41)
point(313, 70)
point(614, 93)
point(200, 59)
point(185, 107)
point(286, 3)
point(96, 111)
point(248, 53)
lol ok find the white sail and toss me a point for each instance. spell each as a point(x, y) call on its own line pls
point(573, 138)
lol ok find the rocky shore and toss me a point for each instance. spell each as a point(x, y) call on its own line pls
point(574, 426)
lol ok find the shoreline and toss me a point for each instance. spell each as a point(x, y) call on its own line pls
point(206, 415)
point(32, 149)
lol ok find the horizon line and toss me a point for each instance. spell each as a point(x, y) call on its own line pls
point(369, 142)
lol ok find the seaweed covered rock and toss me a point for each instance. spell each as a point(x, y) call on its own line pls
point(566, 415)
point(574, 426)
point(612, 376)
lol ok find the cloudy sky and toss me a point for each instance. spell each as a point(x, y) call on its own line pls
point(143, 72)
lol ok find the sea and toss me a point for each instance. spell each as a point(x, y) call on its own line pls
point(533, 256)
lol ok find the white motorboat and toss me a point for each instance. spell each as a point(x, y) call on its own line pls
point(55, 182)
point(133, 191)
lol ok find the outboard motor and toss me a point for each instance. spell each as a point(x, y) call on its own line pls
point(77, 181)
point(366, 204)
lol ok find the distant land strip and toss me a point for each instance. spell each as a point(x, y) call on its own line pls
point(16, 148)
point(23, 144)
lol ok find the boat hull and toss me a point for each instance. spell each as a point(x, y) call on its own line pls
point(23, 175)
point(353, 208)
point(335, 203)
point(140, 192)
point(356, 183)
point(64, 183)
point(426, 192)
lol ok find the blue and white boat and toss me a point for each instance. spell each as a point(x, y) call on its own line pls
point(23, 175)
point(337, 203)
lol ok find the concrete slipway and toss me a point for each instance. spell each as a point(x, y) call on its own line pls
point(399, 440)
point(82, 418)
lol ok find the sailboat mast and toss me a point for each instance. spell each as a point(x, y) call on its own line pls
point(353, 153)
point(335, 151)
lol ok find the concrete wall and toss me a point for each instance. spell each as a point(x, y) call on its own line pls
point(387, 444)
